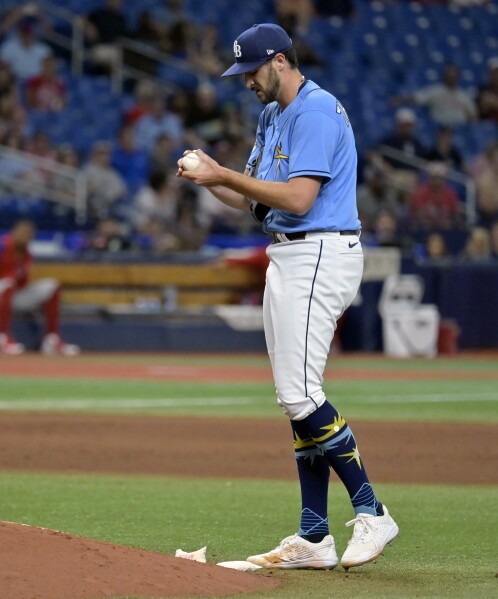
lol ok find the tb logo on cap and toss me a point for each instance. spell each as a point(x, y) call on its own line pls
point(237, 49)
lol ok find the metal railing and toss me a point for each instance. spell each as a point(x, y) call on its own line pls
point(451, 175)
point(160, 58)
point(75, 44)
point(24, 174)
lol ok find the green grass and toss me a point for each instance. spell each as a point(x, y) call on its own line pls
point(444, 400)
point(447, 547)
point(464, 362)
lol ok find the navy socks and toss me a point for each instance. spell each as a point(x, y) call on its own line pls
point(321, 440)
point(314, 470)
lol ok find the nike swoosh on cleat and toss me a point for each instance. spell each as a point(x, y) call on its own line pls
point(351, 245)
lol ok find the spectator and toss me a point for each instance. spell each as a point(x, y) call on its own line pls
point(403, 139)
point(15, 11)
point(191, 228)
point(204, 114)
point(167, 213)
point(295, 17)
point(23, 52)
point(298, 12)
point(179, 40)
point(145, 32)
point(487, 97)
point(386, 232)
point(444, 150)
point(13, 118)
point(158, 120)
point(235, 125)
point(110, 235)
point(205, 50)
point(435, 247)
point(18, 294)
point(102, 28)
point(13, 168)
point(155, 201)
point(478, 246)
point(13, 140)
point(402, 174)
point(166, 15)
point(132, 164)
point(68, 156)
point(163, 156)
point(232, 154)
point(17, 122)
point(144, 93)
point(40, 145)
point(448, 104)
point(487, 186)
point(493, 233)
point(7, 79)
point(9, 102)
point(434, 204)
point(62, 183)
point(375, 195)
point(46, 91)
point(105, 186)
point(483, 162)
point(146, 29)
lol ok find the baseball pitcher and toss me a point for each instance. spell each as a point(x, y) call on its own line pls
point(300, 183)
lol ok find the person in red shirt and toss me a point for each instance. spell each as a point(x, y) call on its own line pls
point(19, 294)
point(46, 91)
point(434, 204)
point(144, 93)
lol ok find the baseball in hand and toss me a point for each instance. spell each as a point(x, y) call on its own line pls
point(190, 162)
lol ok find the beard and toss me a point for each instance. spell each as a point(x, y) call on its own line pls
point(271, 93)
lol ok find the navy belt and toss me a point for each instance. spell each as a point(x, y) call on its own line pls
point(279, 237)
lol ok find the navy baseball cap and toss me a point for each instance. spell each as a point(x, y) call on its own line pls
point(257, 45)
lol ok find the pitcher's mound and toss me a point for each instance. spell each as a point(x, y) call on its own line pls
point(45, 564)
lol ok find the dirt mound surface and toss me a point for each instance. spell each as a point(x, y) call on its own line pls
point(38, 563)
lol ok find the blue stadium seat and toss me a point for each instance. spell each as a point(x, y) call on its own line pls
point(179, 77)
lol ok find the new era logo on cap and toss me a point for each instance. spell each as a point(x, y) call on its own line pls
point(257, 45)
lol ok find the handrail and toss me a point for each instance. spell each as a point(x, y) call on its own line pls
point(451, 174)
point(76, 44)
point(156, 54)
point(75, 197)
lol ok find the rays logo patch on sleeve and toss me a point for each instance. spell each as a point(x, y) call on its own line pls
point(278, 153)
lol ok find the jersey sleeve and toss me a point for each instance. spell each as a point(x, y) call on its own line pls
point(313, 142)
point(257, 150)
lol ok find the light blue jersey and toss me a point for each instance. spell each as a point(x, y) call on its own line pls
point(311, 137)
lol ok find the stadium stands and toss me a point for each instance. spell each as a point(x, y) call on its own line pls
point(385, 49)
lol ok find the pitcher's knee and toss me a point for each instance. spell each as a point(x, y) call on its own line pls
point(298, 407)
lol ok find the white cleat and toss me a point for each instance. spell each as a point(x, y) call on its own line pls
point(53, 345)
point(10, 346)
point(371, 534)
point(296, 552)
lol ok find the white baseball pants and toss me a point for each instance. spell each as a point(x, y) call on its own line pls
point(309, 284)
point(32, 296)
